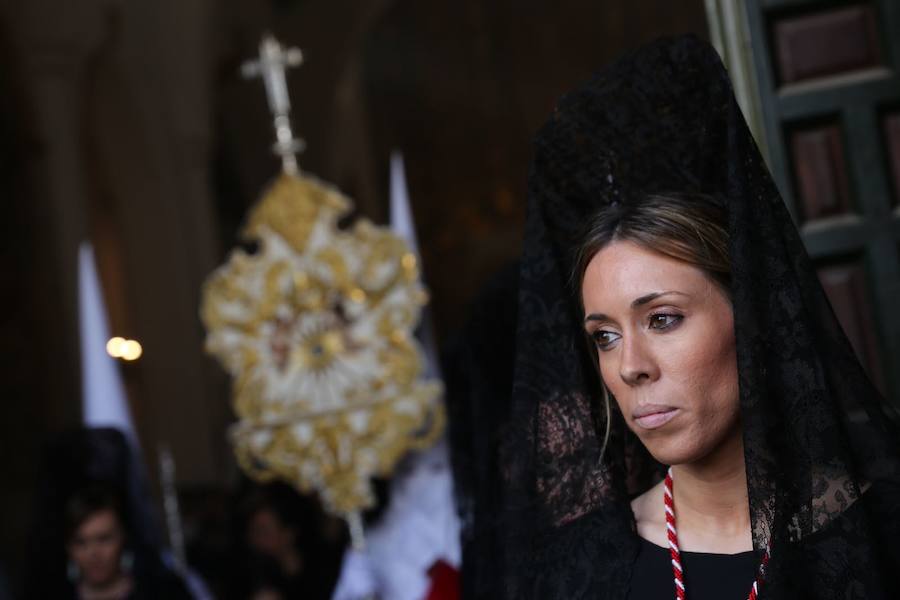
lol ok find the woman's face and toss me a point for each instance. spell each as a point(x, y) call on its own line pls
point(96, 548)
point(664, 335)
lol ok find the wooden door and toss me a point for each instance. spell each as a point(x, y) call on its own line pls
point(826, 74)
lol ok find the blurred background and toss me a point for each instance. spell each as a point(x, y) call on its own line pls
point(127, 124)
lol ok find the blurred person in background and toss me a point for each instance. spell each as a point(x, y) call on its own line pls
point(94, 533)
point(285, 551)
point(99, 565)
point(102, 564)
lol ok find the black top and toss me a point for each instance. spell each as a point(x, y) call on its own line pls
point(706, 576)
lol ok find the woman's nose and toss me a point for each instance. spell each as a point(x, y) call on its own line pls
point(637, 364)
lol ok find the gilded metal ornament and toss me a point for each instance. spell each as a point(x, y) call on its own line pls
point(316, 327)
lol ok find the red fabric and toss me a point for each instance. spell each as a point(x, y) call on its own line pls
point(444, 582)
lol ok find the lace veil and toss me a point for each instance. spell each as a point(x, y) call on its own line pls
point(821, 449)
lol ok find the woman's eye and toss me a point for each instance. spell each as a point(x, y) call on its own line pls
point(604, 339)
point(664, 321)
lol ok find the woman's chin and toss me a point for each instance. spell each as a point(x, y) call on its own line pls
point(101, 578)
point(672, 451)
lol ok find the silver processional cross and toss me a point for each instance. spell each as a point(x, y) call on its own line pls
point(274, 59)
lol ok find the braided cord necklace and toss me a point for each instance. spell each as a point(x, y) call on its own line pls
point(672, 534)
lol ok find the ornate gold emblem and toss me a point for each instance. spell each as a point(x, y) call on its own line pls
point(315, 326)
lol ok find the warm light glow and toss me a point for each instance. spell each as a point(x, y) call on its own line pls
point(119, 347)
point(114, 346)
point(131, 350)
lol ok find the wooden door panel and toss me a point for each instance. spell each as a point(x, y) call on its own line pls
point(847, 290)
point(820, 171)
point(830, 42)
point(827, 73)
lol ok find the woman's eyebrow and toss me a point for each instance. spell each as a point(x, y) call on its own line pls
point(596, 317)
point(653, 296)
point(638, 302)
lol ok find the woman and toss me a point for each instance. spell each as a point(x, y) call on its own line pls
point(99, 563)
point(104, 563)
point(280, 536)
point(94, 536)
point(716, 350)
point(655, 282)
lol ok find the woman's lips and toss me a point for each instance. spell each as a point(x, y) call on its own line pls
point(653, 417)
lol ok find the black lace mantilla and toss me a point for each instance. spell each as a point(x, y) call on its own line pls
point(821, 452)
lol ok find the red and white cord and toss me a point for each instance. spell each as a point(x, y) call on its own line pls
point(672, 534)
point(675, 552)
